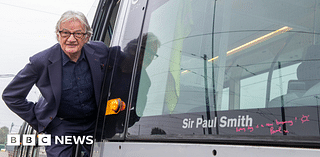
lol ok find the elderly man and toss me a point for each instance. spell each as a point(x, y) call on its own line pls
point(69, 76)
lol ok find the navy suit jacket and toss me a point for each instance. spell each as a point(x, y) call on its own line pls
point(45, 70)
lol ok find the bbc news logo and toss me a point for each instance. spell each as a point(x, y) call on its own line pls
point(45, 140)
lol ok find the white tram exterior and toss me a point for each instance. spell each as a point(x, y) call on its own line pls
point(211, 78)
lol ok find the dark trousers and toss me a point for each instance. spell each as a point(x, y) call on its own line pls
point(60, 129)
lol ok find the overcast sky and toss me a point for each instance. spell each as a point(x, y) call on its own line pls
point(27, 27)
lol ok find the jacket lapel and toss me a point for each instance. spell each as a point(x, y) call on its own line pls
point(55, 72)
point(95, 68)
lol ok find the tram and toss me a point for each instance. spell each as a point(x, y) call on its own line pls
point(210, 78)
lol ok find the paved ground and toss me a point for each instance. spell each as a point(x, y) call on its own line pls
point(3, 154)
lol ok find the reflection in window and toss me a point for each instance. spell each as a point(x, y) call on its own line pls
point(229, 64)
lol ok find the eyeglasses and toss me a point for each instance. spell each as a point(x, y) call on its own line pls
point(150, 53)
point(151, 56)
point(66, 34)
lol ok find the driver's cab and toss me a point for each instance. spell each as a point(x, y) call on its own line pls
point(304, 90)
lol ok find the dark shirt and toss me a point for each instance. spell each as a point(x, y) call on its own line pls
point(77, 97)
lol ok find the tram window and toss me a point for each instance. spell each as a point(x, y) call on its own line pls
point(257, 63)
point(111, 24)
point(236, 68)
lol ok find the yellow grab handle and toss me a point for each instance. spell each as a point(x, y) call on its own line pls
point(114, 106)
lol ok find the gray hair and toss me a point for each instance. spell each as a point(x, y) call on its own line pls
point(68, 15)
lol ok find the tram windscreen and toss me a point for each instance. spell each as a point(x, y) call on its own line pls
point(230, 67)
